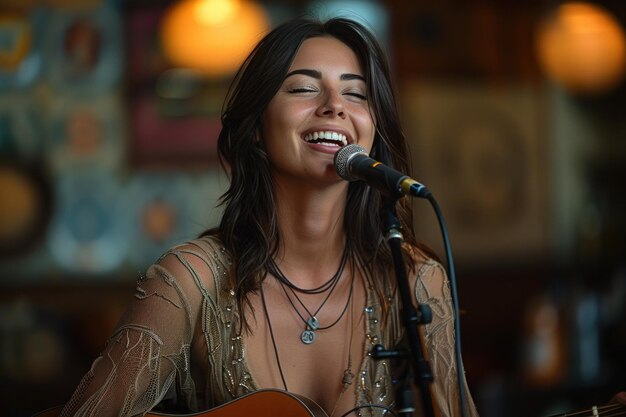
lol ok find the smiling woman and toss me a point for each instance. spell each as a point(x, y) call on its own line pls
point(321, 105)
point(294, 288)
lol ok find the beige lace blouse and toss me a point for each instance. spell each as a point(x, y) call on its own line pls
point(178, 343)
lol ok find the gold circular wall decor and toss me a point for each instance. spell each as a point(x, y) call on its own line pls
point(25, 206)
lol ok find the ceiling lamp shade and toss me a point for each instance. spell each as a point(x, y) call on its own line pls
point(582, 47)
point(212, 36)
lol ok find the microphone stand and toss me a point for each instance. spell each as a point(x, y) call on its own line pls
point(411, 317)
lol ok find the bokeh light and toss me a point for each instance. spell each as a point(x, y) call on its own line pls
point(582, 47)
point(212, 36)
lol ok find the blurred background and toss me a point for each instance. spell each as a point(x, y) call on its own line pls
point(516, 115)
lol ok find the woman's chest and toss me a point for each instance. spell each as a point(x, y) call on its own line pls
point(312, 347)
point(334, 370)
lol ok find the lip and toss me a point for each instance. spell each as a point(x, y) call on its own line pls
point(325, 128)
point(331, 150)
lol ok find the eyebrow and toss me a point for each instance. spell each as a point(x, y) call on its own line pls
point(318, 75)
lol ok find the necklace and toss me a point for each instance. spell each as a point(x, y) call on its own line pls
point(269, 325)
point(348, 375)
point(275, 270)
point(311, 325)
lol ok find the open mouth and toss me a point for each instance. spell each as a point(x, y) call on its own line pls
point(327, 138)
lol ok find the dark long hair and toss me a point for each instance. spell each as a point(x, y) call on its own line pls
point(249, 228)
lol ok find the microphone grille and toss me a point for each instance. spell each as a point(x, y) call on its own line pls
point(342, 160)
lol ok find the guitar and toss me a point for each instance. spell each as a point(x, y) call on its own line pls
point(262, 403)
point(278, 403)
point(608, 410)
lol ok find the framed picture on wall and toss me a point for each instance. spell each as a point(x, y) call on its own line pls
point(84, 49)
point(482, 153)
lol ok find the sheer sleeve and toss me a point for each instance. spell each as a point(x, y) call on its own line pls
point(149, 353)
point(432, 287)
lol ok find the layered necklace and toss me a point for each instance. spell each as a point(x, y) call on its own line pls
point(311, 323)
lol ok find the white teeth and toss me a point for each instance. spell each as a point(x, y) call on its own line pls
point(329, 135)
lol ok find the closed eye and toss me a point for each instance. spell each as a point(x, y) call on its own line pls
point(301, 90)
point(357, 95)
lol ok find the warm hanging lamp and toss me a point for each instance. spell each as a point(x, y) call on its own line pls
point(582, 47)
point(212, 36)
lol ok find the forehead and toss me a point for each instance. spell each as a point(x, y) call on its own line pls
point(326, 51)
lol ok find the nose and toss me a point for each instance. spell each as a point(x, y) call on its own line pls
point(332, 106)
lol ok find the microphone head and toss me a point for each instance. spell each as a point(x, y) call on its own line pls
point(342, 160)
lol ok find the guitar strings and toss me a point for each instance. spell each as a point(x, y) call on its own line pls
point(601, 410)
point(386, 409)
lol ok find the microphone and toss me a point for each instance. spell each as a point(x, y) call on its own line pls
point(352, 163)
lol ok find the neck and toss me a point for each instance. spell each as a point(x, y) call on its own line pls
point(310, 221)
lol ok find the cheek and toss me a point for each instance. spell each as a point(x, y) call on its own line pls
point(279, 117)
point(367, 129)
point(275, 133)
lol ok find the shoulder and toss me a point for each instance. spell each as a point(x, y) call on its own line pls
point(202, 263)
point(427, 276)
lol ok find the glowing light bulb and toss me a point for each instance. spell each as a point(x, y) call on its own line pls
point(212, 36)
point(582, 47)
point(216, 12)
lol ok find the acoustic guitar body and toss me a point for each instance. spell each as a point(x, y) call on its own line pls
point(262, 403)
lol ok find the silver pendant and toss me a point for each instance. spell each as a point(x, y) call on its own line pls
point(313, 323)
point(307, 337)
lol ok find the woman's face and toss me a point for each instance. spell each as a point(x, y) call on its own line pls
point(321, 106)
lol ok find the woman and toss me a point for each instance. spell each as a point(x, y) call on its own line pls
point(295, 286)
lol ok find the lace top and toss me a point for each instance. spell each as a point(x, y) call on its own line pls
point(178, 342)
